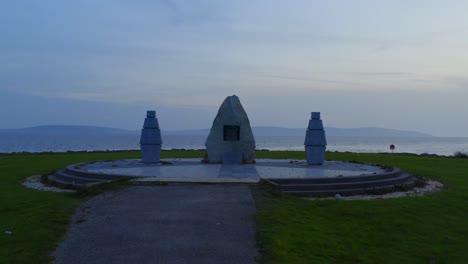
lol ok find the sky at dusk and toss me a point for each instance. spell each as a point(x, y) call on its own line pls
point(393, 64)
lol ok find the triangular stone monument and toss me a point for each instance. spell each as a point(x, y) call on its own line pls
point(231, 140)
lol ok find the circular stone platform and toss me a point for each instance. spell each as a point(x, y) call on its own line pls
point(290, 176)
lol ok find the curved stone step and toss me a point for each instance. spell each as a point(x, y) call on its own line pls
point(86, 174)
point(382, 176)
point(357, 191)
point(299, 186)
point(344, 185)
point(62, 177)
point(54, 178)
point(341, 192)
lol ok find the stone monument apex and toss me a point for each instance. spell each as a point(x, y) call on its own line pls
point(231, 140)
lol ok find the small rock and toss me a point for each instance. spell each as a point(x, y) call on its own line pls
point(8, 232)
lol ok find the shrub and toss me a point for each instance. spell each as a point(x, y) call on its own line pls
point(459, 154)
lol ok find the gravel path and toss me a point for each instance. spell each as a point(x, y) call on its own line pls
point(164, 224)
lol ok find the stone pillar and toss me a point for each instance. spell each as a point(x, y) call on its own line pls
point(315, 141)
point(150, 141)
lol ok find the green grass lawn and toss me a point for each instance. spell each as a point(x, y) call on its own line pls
point(429, 229)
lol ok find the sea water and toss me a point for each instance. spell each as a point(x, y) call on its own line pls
point(42, 143)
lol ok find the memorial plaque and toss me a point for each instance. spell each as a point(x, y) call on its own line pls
point(231, 133)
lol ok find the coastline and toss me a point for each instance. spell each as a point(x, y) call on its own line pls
point(202, 150)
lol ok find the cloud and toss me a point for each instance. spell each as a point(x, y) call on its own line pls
point(309, 79)
point(376, 73)
point(457, 81)
point(194, 53)
point(195, 13)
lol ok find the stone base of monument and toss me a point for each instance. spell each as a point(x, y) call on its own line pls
point(152, 153)
point(315, 154)
point(232, 158)
point(290, 176)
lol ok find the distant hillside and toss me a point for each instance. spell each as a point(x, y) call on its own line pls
point(190, 132)
point(373, 132)
point(258, 131)
point(68, 130)
point(330, 131)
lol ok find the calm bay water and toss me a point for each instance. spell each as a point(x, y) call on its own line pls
point(43, 143)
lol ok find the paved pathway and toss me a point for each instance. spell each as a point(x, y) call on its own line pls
point(164, 224)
